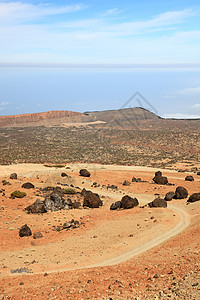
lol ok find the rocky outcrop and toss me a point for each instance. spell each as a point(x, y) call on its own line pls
point(189, 178)
point(169, 196)
point(194, 197)
point(158, 202)
point(181, 193)
point(91, 200)
point(54, 202)
point(25, 231)
point(38, 207)
point(13, 176)
point(129, 202)
point(28, 185)
point(159, 179)
point(116, 205)
point(126, 183)
point(84, 173)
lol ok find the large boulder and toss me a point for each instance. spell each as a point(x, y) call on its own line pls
point(116, 205)
point(91, 200)
point(159, 179)
point(181, 193)
point(194, 197)
point(189, 178)
point(13, 176)
point(84, 173)
point(28, 185)
point(54, 202)
point(198, 173)
point(158, 202)
point(25, 231)
point(126, 183)
point(169, 196)
point(38, 207)
point(129, 202)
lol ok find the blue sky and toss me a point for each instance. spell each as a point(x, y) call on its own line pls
point(100, 31)
point(39, 33)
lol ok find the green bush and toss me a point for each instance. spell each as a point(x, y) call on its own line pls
point(69, 191)
point(18, 194)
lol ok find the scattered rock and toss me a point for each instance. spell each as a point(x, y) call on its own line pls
point(38, 207)
point(158, 202)
point(64, 175)
point(37, 235)
point(91, 200)
point(116, 205)
point(159, 179)
point(129, 202)
point(13, 176)
point(180, 193)
point(25, 231)
point(169, 196)
point(194, 197)
point(126, 183)
point(198, 173)
point(189, 178)
point(84, 173)
point(54, 202)
point(28, 185)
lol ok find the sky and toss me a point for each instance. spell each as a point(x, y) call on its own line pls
point(47, 48)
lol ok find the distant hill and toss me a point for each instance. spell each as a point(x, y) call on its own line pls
point(126, 114)
point(60, 117)
point(45, 118)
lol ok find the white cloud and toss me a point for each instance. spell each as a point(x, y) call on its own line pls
point(4, 103)
point(181, 116)
point(196, 106)
point(13, 11)
point(189, 91)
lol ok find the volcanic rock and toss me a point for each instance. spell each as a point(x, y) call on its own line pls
point(128, 202)
point(189, 178)
point(54, 202)
point(25, 231)
point(198, 173)
point(158, 202)
point(64, 175)
point(126, 183)
point(116, 205)
point(13, 176)
point(84, 172)
point(28, 185)
point(91, 200)
point(194, 197)
point(180, 193)
point(159, 179)
point(134, 179)
point(37, 207)
point(37, 235)
point(169, 196)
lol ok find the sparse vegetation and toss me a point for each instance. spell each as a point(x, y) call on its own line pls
point(18, 194)
point(69, 191)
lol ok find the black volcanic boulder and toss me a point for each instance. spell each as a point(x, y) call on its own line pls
point(169, 196)
point(159, 179)
point(13, 176)
point(134, 179)
point(116, 205)
point(198, 173)
point(25, 231)
point(84, 173)
point(91, 200)
point(54, 202)
point(64, 175)
point(37, 207)
point(158, 202)
point(189, 178)
point(180, 193)
point(28, 185)
point(194, 197)
point(129, 202)
point(126, 183)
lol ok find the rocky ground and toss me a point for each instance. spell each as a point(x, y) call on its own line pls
point(57, 265)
